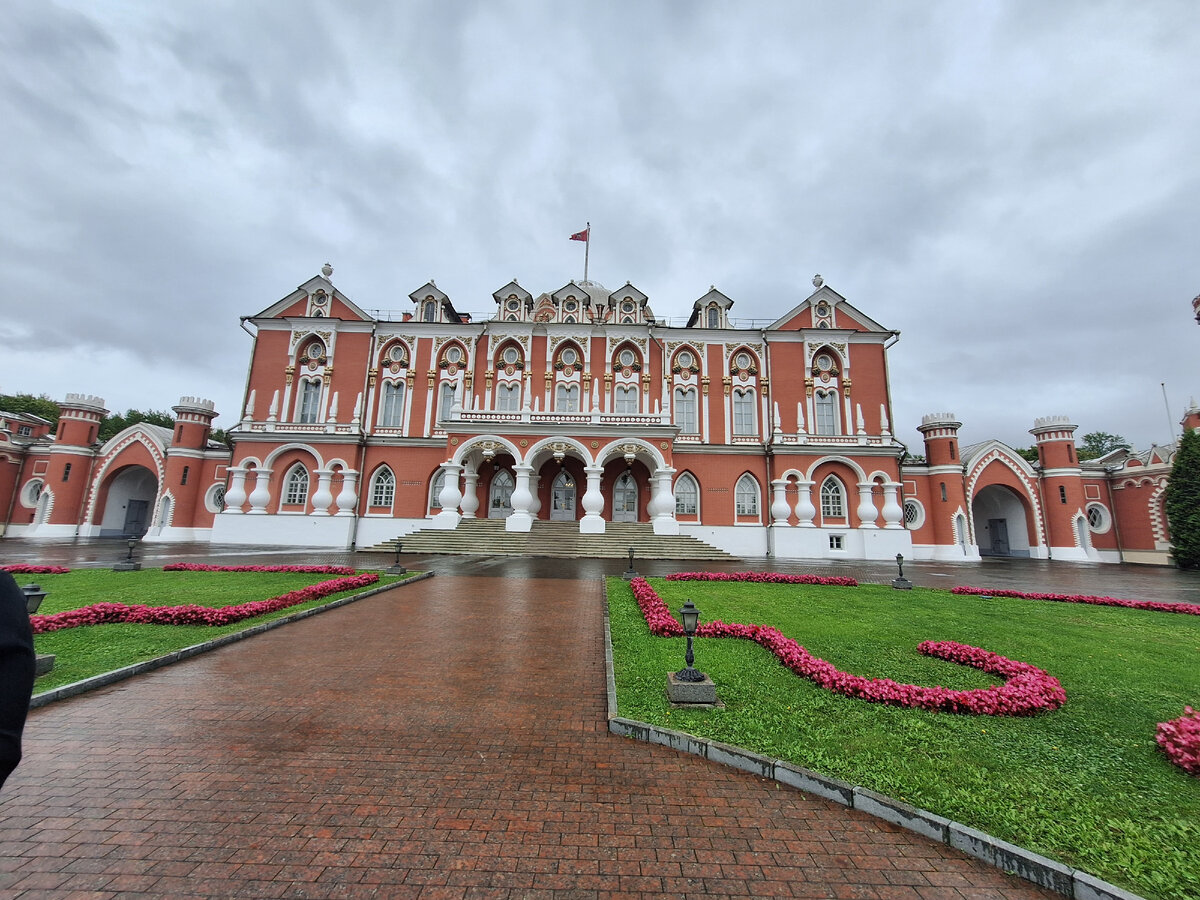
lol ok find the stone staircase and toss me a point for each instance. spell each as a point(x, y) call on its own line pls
point(487, 537)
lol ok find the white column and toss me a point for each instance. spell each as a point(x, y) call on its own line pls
point(780, 511)
point(470, 499)
point(867, 512)
point(805, 511)
point(322, 497)
point(347, 498)
point(261, 495)
point(522, 500)
point(535, 505)
point(893, 512)
point(450, 497)
point(662, 502)
point(593, 503)
point(236, 495)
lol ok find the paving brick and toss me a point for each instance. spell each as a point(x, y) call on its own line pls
point(448, 739)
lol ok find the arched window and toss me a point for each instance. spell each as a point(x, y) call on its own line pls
point(295, 486)
point(383, 487)
point(743, 412)
point(685, 412)
point(567, 399)
point(310, 400)
point(447, 402)
point(826, 412)
point(435, 492)
point(714, 316)
point(508, 397)
point(833, 498)
point(687, 495)
point(429, 311)
point(746, 495)
point(627, 400)
point(500, 495)
point(391, 411)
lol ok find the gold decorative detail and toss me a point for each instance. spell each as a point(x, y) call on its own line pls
point(524, 442)
point(595, 445)
point(664, 446)
point(704, 385)
point(453, 442)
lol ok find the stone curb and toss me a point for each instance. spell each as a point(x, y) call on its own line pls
point(104, 680)
point(1026, 864)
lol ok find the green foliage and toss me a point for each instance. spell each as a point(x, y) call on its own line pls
point(1029, 454)
point(114, 424)
point(27, 403)
point(95, 649)
point(1098, 443)
point(1085, 784)
point(1182, 502)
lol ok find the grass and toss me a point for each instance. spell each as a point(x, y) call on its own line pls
point(92, 650)
point(1085, 784)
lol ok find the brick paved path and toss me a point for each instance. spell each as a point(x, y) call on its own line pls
point(447, 739)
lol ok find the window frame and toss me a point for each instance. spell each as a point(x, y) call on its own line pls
point(833, 489)
point(743, 491)
point(383, 484)
point(295, 487)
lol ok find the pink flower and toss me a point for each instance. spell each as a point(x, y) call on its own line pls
point(765, 578)
point(1187, 609)
point(1180, 740)
point(27, 569)
point(1026, 690)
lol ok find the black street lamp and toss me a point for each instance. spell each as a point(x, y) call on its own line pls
point(128, 564)
point(630, 572)
point(690, 616)
point(396, 568)
point(34, 595)
point(901, 583)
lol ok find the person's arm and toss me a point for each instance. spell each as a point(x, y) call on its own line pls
point(17, 660)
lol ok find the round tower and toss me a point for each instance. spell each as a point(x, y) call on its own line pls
point(193, 422)
point(1062, 487)
point(71, 454)
point(946, 505)
point(188, 473)
point(79, 420)
point(940, 431)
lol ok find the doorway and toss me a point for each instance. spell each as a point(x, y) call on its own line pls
point(998, 529)
point(500, 496)
point(625, 499)
point(562, 498)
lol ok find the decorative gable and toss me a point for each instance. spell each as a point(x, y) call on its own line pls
point(825, 308)
point(711, 310)
point(317, 298)
point(513, 303)
point(628, 305)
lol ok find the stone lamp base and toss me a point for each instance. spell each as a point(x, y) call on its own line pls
point(691, 693)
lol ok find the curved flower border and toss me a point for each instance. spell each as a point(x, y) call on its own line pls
point(110, 613)
point(305, 570)
point(765, 578)
point(1180, 740)
point(28, 569)
point(1187, 609)
point(1026, 690)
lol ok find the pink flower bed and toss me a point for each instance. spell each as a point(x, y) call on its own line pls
point(1026, 690)
point(302, 570)
point(1187, 609)
point(26, 569)
point(1180, 740)
point(110, 613)
point(765, 578)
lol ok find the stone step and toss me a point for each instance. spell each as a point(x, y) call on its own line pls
point(487, 537)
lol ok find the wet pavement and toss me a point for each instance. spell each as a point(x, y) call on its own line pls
point(442, 739)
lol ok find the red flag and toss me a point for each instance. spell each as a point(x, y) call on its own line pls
point(581, 235)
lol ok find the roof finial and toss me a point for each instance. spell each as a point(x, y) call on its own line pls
point(327, 270)
point(818, 281)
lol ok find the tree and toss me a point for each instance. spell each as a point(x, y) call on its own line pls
point(114, 424)
point(1099, 443)
point(1182, 501)
point(27, 403)
point(1029, 454)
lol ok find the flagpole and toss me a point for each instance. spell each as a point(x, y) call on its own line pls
point(587, 246)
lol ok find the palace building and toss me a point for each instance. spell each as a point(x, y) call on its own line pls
point(578, 406)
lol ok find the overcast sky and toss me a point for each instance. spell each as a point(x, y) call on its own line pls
point(1013, 186)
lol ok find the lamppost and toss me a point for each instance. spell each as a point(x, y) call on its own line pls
point(396, 568)
point(630, 572)
point(901, 583)
point(34, 595)
point(128, 564)
point(690, 616)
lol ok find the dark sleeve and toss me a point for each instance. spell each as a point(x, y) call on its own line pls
point(16, 672)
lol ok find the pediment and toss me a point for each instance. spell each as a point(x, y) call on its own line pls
point(297, 304)
point(842, 316)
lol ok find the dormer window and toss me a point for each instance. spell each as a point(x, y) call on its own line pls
point(822, 309)
point(571, 305)
point(429, 311)
point(714, 316)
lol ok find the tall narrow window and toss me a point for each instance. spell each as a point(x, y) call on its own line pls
point(743, 412)
point(508, 397)
point(746, 496)
point(685, 412)
point(435, 493)
point(714, 317)
point(295, 489)
point(429, 311)
point(687, 495)
point(627, 401)
point(447, 402)
point(310, 400)
point(391, 411)
point(67, 472)
point(833, 498)
point(567, 399)
point(184, 477)
point(383, 487)
point(826, 409)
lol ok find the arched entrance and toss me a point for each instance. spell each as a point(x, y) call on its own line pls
point(562, 497)
point(1001, 523)
point(500, 495)
point(625, 499)
point(128, 501)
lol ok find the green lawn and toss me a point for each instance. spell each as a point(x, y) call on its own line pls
point(1085, 784)
point(92, 650)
